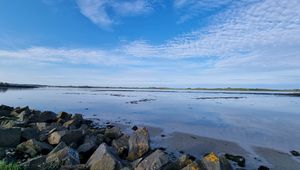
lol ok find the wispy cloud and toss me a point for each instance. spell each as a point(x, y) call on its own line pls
point(97, 10)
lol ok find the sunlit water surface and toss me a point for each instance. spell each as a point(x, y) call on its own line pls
point(263, 120)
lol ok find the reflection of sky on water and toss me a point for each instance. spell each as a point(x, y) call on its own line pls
point(265, 120)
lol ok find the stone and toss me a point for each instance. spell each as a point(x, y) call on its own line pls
point(29, 133)
point(121, 145)
point(34, 147)
point(37, 116)
point(7, 123)
point(10, 137)
point(65, 136)
point(58, 147)
point(65, 156)
point(64, 116)
point(74, 167)
point(191, 166)
point(5, 110)
point(113, 133)
point(241, 161)
point(72, 124)
point(104, 158)
point(263, 168)
point(213, 162)
point(295, 153)
point(185, 160)
point(155, 161)
point(139, 144)
point(34, 163)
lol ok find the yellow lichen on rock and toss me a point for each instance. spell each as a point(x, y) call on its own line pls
point(212, 157)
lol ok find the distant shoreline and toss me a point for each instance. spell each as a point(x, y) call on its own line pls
point(11, 85)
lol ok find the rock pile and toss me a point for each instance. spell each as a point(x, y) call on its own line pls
point(38, 140)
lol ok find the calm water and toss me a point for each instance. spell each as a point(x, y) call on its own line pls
point(264, 120)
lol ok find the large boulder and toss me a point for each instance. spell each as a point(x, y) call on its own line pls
point(10, 137)
point(139, 144)
point(113, 133)
point(65, 136)
point(29, 133)
point(37, 116)
point(88, 147)
point(34, 163)
point(121, 145)
point(213, 162)
point(155, 161)
point(33, 147)
point(104, 158)
point(62, 157)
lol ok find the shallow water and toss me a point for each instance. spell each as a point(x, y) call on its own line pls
point(249, 119)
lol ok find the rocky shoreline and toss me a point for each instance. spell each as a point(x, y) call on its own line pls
point(35, 139)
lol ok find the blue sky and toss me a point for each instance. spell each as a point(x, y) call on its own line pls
point(177, 43)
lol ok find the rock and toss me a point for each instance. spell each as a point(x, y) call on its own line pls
point(65, 156)
point(213, 162)
point(58, 147)
point(139, 144)
point(29, 133)
point(77, 117)
point(37, 116)
point(64, 116)
point(24, 116)
point(154, 161)
point(33, 147)
point(46, 116)
point(191, 166)
point(241, 161)
point(74, 167)
point(104, 158)
point(295, 153)
point(72, 124)
point(134, 128)
point(185, 160)
point(10, 137)
point(263, 168)
point(121, 145)
point(41, 126)
point(65, 136)
point(88, 147)
point(34, 163)
point(5, 110)
point(113, 133)
point(7, 123)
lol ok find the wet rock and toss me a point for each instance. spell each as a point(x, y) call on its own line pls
point(185, 160)
point(104, 158)
point(64, 116)
point(191, 166)
point(87, 148)
point(77, 117)
point(58, 147)
point(295, 153)
point(34, 163)
point(7, 123)
point(65, 136)
point(65, 156)
point(29, 133)
point(241, 161)
point(139, 144)
point(10, 137)
point(263, 168)
point(134, 128)
point(154, 161)
point(113, 133)
point(121, 145)
point(37, 116)
point(33, 147)
point(213, 162)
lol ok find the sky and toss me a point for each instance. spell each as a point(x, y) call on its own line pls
point(162, 43)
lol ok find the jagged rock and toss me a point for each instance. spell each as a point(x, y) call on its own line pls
point(10, 137)
point(90, 144)
point(113, 133)
point(74, 167)
point(33, 147)
point(121, 145)
point(64, 116)
point(191, 166)
point(77, 117)
point(65, 136)
point(213, 162)
point(138, 144)
point(34, 163)
point(65, 156)
point(184, 162)
point(29, 133)
point(241, 161)
point(7, 123)
point(37, 116)
point(104, 158)
point(72, 124)
point(263, 168)
point(154, 161)
point(295, 153)
point(58, 147)
point(5, 110)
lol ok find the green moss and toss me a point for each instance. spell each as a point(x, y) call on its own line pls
point(11, 166)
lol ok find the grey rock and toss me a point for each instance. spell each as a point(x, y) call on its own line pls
point(10, 137)
point(74, 167)
point(65, 136)
point(113, 133)
point(139, 144)
point(104, 158)
point(34, 163)
point(90, 144)
point(213, 162)
point(121, 145)
point(65, 156)
point(33, 147)
point(5, 110)
point(155, 161)
point(58, 147)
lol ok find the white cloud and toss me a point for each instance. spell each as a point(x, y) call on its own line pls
point(97, 10)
